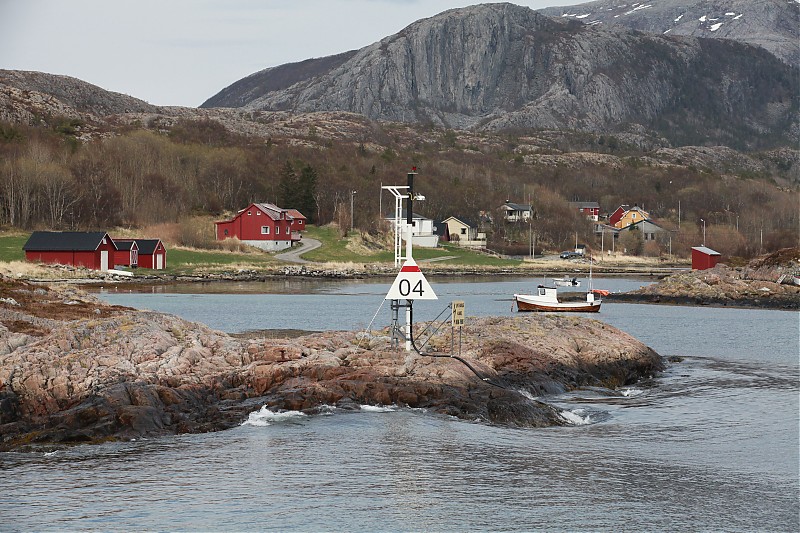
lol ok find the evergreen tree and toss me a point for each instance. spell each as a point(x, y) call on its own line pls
point(306, 191)
point(288, 187)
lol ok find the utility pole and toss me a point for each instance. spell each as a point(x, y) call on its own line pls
point(352, 196)
point(704, 231)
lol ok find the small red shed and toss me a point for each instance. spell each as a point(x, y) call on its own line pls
point(90, 249)
point(127, 253)
point(703, 258)
point(152, 254)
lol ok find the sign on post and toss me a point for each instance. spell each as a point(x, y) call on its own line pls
point(458, 314)
point(410, 284)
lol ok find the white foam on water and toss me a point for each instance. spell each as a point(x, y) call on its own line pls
point(378, 408)
point(715, 27)
point(575, 417)
point(702, 19)
point(737, 17)
point(50, 454)
point(264, 417)
point(729, 14)
point(528, 395)
point(679, 18)
point(628, 393)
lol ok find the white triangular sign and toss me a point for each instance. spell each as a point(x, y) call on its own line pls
point(410, 284)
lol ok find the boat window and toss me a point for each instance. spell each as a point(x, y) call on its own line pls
point(541, 291)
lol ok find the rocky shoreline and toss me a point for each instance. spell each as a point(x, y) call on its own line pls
point(764, 283)
point(76, 370)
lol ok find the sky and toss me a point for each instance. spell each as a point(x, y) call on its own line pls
point(182, 52)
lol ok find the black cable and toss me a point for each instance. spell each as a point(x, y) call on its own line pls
point(451, 356)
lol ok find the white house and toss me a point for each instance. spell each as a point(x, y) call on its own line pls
point(423, 232)
point(516, 212)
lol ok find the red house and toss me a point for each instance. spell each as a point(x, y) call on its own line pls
point(590, 209)
point(264, 226)
point(127, 253)
point(298, 220)
point(144, 253)
point(703, 258)
point(92, 249)
point(152, 254)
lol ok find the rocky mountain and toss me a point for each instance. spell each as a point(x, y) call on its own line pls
point(25, 95)
point(771, 24)
point(499, 67)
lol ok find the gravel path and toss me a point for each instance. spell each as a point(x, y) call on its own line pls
point(294, 254)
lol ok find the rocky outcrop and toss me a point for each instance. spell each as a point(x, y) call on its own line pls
point(75, 370)
point(765, 282)
point(499, 66)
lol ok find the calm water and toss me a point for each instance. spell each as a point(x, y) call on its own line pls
point(711, 445)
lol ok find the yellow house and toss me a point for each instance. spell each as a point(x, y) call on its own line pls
point(622, 218)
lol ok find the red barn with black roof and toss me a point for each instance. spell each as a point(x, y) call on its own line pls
point(90, 249)
point(152, 254)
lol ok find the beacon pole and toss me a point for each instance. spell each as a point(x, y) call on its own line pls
point(409, 235)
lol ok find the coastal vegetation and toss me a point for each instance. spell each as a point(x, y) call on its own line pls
point(139, 176)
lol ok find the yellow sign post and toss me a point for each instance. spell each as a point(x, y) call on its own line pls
point(458, 314)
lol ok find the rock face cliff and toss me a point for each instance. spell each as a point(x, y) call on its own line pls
point(772, 24)
point(501, 66)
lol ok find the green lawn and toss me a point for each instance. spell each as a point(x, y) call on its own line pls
point(11, 247)
point(182, 260)
point(333, 249)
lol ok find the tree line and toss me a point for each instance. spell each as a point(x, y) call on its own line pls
point(138, 177)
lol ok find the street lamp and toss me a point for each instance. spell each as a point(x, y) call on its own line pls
point(704, 231)
point(352, 195)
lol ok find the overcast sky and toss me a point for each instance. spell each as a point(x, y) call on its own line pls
point(182, 52)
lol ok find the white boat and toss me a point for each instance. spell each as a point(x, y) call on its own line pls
point(546, 299)
point(566, 281)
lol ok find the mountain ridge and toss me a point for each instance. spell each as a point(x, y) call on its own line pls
point(495, 67)
point(771, 24)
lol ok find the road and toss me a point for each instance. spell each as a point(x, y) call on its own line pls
point(294, 254)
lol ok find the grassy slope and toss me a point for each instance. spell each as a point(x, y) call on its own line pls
point(334, 250)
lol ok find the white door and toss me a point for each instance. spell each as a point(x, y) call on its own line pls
point(103, 260)
point(159, 261)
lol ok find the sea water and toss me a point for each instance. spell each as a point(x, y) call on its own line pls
point(711, 444)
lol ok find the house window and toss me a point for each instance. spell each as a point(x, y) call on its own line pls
point(226, 232)
point(249, 213)
point(264, 230)
point(633, 216)
point(463, 231)
point(258, 213)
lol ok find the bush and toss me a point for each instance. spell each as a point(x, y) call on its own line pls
point(196, 232)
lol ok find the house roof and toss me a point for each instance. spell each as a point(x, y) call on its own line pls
point(294, 213)
point(271, 210)
point(414, 216)
point(511, 206)
point(147, 246)
point(704, 250)
point(585, 205)
point(125, 244)
point(462, 220)
point(646, 221)
point(274, 212)
point(65, 241)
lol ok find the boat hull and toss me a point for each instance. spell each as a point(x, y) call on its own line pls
point(527, 304)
